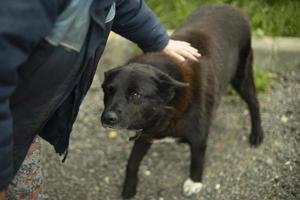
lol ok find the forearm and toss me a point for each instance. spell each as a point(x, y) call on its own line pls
point(135, 21)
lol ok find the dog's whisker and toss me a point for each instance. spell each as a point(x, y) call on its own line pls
point(170, 108)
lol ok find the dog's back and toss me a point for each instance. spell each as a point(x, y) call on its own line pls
point(222, 35)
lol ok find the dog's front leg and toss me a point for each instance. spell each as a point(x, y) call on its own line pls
point(197, 141)
point(193, 184)
point(139, 150)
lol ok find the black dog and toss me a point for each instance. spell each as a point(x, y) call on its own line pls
point(158, 96)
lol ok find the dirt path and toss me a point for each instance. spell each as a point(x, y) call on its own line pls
point(95, 165)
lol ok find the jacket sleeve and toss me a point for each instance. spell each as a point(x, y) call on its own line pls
point(136, 22)
point(22, 25)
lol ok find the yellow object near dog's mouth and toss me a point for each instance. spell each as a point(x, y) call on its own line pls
point(112, 134)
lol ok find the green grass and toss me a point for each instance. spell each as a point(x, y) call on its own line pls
point(268, 17)
point(262, 79)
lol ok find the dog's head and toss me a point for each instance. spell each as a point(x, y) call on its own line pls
point(137, 96)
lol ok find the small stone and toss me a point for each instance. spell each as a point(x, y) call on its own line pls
point(284, 119)
point(155, 154)
point(147, 173)
point(218, 186)
point(244, 138)
point(106, 179)
point(288, 163)
point(269, 161)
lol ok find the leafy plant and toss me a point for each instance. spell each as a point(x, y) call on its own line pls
point(268, 17)
point(262, 79)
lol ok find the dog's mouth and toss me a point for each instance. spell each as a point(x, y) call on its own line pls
point(111, 126)
point(136, 133)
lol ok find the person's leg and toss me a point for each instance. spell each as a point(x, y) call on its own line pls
point(27, 184)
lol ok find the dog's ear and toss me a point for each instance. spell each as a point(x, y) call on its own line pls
point(109, 75)
point(112, 72)
point(168, 86)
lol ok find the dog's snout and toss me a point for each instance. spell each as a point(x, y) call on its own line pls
point(110, 118)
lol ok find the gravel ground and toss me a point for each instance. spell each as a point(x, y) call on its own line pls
point(234, 170)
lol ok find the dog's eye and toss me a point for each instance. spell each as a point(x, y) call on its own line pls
point(135, 97)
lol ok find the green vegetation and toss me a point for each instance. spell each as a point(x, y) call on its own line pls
point(262, 79)
point(268, 17)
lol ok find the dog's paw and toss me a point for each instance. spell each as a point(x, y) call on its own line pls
point(190, 187)
point(128, 192)
point(255, 139)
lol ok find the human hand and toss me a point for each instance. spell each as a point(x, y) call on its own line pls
point(181, 50)
point(2, 194)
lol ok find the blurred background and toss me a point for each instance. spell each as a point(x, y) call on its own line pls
point(97, 157)
point(268, 17)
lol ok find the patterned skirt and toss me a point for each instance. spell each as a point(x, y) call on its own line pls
point(27, 184)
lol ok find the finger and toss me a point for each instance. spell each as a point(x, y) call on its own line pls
point(183, 42)
point(187, 46)
point(187, 54)
point(193, 51)
point(177, 56)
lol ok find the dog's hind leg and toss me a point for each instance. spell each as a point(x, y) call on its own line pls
point(139, 150)
point(243, 83)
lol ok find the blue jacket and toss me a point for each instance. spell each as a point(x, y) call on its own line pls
point(42, 86)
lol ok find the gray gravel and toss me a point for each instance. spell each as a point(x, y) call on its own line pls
point(234, 170)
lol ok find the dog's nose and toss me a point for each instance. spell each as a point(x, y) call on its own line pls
point(111, 118)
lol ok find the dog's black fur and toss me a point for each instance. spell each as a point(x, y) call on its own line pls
point(159, 96)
